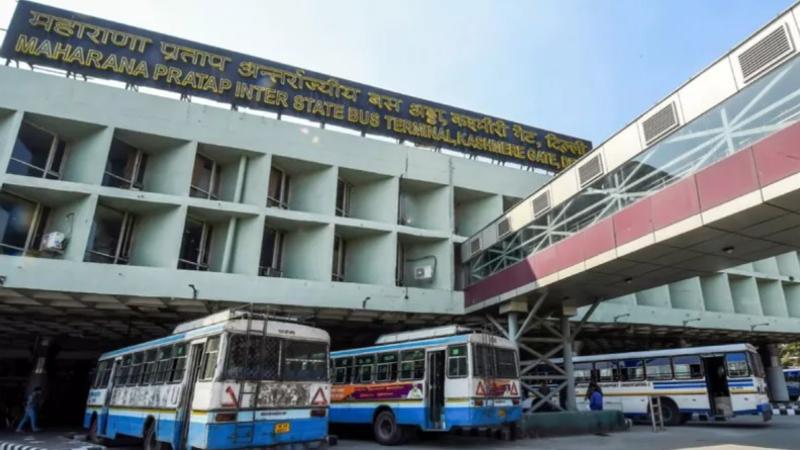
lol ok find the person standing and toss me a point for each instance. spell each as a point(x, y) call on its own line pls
point(596, 399)
point(31, 410)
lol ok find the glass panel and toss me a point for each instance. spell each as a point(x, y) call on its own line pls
point(305, 361)
point(16, 218)
point(210, 358)
point(631, 369)
point(737, 365)
point(253, 358)
point(202, 177)
point(179, 363)
point(120, 165)
point(506, 363)
point(277, 189)
point(31, 151)
point(583, 372)
point(150, 357)
point(164, 365)
point(271, 252)
point(606, 371)
point(412, 366)
point(687, 367)
point(192, 256)
point(658, 369)
point(105, 233)
point(457, 361)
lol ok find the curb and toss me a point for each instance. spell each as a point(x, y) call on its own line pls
point(778, 410)
point(5, 445)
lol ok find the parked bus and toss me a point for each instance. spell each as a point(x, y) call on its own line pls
point(434, 380)
point(792, 376)
point(715, 382)
point(235, 379)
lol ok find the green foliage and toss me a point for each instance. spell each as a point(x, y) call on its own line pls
point(790, 355)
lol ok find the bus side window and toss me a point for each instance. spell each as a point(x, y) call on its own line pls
point(121, 377)
point(412, 365)
point(737, 364)
point(136, 369)
point(631, 370)
point(103, 374)
point(387, 367)
point(179, 363)
point(658, 369)
point(457, 361)
point(606, 371)
point(210, 358)
point(686, 367)
point(343, 370)
point(755, 365)
point(583, 372)
point(164, 364)
point(149, 366)
point(364, 367)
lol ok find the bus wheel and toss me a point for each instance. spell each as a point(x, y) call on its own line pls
point(150, 441)
point(670, 412)
point(386, 429)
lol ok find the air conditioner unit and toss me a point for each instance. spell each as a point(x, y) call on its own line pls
point(423, 273)
point(53, 242)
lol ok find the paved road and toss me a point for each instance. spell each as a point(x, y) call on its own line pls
point(782, 433)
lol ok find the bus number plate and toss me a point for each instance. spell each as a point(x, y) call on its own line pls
point(282, 427)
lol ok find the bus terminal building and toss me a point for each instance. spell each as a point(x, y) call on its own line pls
point(124, 209)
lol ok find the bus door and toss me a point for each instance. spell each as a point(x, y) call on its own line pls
point(719, 396)
point(184, 412)
point(102, 419)
point(435, 398)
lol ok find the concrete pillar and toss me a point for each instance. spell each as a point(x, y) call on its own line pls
point(513, 324)
point(776, 383)
point(568, 367)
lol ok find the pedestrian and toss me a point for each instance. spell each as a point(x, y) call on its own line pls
point(596, 398)
point(31, 410)
point(544, 391)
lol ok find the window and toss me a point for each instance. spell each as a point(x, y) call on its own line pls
point(125, 166)
point(506, 363)
point(121, 376)
point(483, 361)
point(37, 153)
point(196, 245)
point(685, 367)
point(110, 237)
point(658, 369)
point(457, 361)
point(271, 253)
point(339, 250)
point(606, 371)
point(253, 357)
point(387, 367)
point(631, 370)
point(150, 366)
point(755, 364)
point(364, 368)
point(412, 365)
point(737, 365)
point(164, 370)
point(135, 376)
point(178, 364)
point(583, 372)
point(22, 224)
point(205, 177)
point(278, 189)
point(210, 356)
point(399, 268)
point(343, 370)
point(304, 361)
point(103, 374)
point(343, 190)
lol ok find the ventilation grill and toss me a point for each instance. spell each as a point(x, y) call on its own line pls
point(503, 227)
point(768, 51)
point(474, 246)
point(541, 204)
point(589, 171)
point(660, 123)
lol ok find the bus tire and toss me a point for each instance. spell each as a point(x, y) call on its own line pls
point(386, 429)
point(670, 412)
point(150, 441)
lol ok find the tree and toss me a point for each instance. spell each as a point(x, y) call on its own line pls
point(790, 355)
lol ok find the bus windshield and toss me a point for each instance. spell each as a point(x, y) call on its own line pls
point(254, 357)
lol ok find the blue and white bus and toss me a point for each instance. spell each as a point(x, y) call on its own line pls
point(792, 376)
point(232, 380)
point(433, 380)
point(714, 382)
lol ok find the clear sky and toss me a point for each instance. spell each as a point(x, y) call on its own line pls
point(581, 67)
